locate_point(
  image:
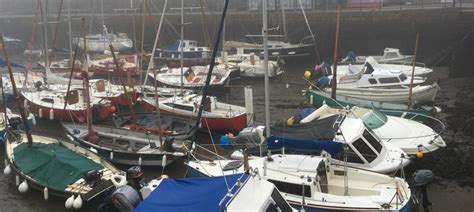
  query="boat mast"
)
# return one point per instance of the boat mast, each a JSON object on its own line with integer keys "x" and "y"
{"x": 70, "y": 31}
{"x": 103, "y": 25}
{"x": 211, "y": 68}
{"x": 182, "y": 44}
{"x": 413, "y": 72}
{"x": 90, "y": 134}
{"x": 336, "y": 46}
{"x": 151, "y": 63}
{"x": 15, "y": 93}
{"x": 265, "y": 66}
{"x": 283, "y": 14}
{"x": 142, "y": 52}
{"x": 45, "y": 36}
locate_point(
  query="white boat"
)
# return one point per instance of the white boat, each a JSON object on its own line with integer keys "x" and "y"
{"x": 370, "y": 66}
{"x": 411, "y": 136}
{"x": 101, "y": 42}
{"x": 237, "y": 192}
{"x": 420, "y": 94}
{"x": 390, "y": 55}
{"x": 316, "y": 183}
{"x": 216, "y": 116}
{"x": 251, "y": 65}
{"x": 195, "y": 77}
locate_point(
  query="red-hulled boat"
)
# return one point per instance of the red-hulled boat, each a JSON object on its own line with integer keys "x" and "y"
{"x": 217, "y": 116}
{"x": 49, "y": 104}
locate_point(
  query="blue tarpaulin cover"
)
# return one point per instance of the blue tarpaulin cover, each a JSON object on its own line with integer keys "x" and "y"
{"x": 190, "y": 194}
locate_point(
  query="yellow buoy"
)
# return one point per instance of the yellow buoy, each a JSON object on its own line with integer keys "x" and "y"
{"x": 230, "y": 135}
{"x": 307, "y": 74}
{"x": 419, "y": 154}
{"x": 290, "y": 121}
{"x": 164, "y": 176}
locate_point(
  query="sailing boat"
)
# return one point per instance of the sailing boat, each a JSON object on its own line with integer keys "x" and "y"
{"x": 54, "y": 166}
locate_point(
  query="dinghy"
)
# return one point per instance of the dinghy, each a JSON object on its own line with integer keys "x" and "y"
{"x": 128, "y": 147}
{"x": 315, "y": 183}
{"x": 251, "y": 65}
{"x": 179, "y": 127}
{"x": 58, "y": 168}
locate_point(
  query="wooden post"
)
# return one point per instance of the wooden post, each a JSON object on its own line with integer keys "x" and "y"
{"x": 85, "y": 74}
{"x": 413, "y": 71}
{"x": 336, "y": 46}
{"x": 15, "y": 93}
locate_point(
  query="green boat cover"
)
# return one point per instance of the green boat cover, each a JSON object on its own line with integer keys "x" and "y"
{"x": 52, "y": 165}
{"x": 374, "y": 119}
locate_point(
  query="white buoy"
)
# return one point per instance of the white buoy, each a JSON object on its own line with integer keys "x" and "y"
{"x": 25, "y": 103}
{"x": 69, "y": 201}
{"x": 46, "y": 193}
{"x": 140, "y": 160}
{"x": 111, "y": 155}
{"x": 17, "y": 180}
{"x": 23, "y": 187}
{"x": 93, "y": 150}
{"x": 33, "y": 119}
{"x": 40, "y": 113}
{"x": 77, "y": 204}
{"x": 265, "y": 167}
{"x": 7, "y": 170}
{"x": 163, "y": 161}
{"x": 51, "y": 114}
{"x": 249, "y": 104}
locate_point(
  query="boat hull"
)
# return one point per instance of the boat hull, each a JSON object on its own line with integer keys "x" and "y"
{"x": 217, "y": 124}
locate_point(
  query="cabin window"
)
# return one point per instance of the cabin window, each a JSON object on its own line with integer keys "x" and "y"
{"x": 369, "y": 69}
{"x": 391, "y": 55}
{"x": 364, "y": 150}
{"x": 403, "y": 77}
{"x": 372, "y": 141}
{"x": 280, "y": 201}
{"x": 199, "y": 49}
{"x": 352, "y": 157}
{"x": 372, "y": 81}
{"x": 290, "y": 188}
{"x": 182, "y": 107}
{"x": 389, "y": 80}
{"x": 48, "y": 100}
{"x": 191, "y": 49}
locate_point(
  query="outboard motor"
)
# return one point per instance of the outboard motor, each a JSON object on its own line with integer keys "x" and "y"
{"x": 135, "y": 179}
{"x": 92, "y": 177}
{"x": 125, "y": 198}
{"x": 422, "y": 178}
{"x": 38, "y": 85}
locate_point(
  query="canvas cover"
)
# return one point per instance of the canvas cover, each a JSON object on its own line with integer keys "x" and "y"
{"x": 190, "y": 194}
{"x": 52, "y": 165}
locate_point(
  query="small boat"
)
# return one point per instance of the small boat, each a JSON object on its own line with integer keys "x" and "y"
{"x": 50, "y": 104}
{"x": 251, "y": 65}
{"x": 316, "y": 183}
{"x": 390, "y": 55}
{"x": 371, "y": 66}
{"x": 420, "y": 94}
{"x": 193, "y": 55}
{"x": 101, "y": 42}
{"x": 58, "y": 168}
{"x": 411, "y": 136}
{"x": 175, "y": 126}
{"x": 330, "y": 133}
{"x": 317, "y": 98}
{"x": 276, "y": 49}
{"x": 217, "y": 116}
{"x": 194, "y": 77}
{"x": 236, "y": 192}
{"x": 127, "y": 147}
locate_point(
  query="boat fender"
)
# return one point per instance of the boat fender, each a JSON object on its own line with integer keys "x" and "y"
{"x": 419, "y": 154}
{"x": 163, "y": 161}
{"x": 178, "y": 154}
{"x": 140, "y": 160}
{"x": 17, "y": 180}
{"x": 25, "y": 104}
{"x": 92, "y": 149}
{"x": 77, "y": 204}
{"x": 69, "y": 202}
{"x": 40, "y": 113}
{"x": 307, "y": 74}
{"x": 118, "y": 180}
{"x": 46, "y": 193}
{"x": 51, "y": 114}
{"x": 290, "y": 121}
{"x": 111, "y": 155}
{"x": 7, "y": 170}
{"x": 23, "y": 187}
{"x": 33, "y": 119}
